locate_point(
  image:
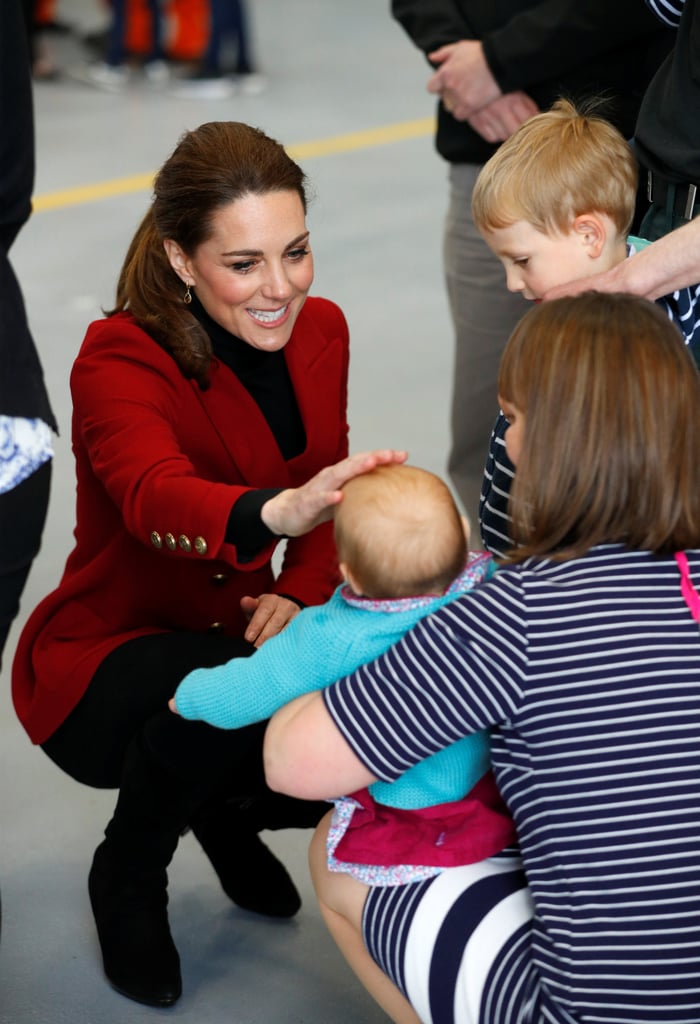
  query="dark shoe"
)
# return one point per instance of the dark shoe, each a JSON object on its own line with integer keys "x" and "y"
{"x": 138, "y": 952}
{"x": 250, "y": 874}
{"x": 57, "y": 28}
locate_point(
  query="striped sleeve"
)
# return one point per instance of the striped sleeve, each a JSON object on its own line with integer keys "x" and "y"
{"x": 668, "y": 11}
{"x": 453, "y": 674}
{"x": 683, "y": 307}
{"x": 494, "y": 521}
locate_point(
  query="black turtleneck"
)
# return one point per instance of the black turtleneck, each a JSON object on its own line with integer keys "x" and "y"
{"x": 265, "y": 377}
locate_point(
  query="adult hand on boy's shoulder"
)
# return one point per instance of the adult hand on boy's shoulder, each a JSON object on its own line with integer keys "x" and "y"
{"x": 614, "y": 280}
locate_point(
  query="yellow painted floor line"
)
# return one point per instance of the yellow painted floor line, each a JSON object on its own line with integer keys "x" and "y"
{"x": 302, "y": 151}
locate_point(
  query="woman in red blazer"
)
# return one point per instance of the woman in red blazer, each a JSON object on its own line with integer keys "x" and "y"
{"x": 212, "y": 388}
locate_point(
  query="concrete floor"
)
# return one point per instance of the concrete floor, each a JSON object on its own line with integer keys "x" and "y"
{"x": 346, "y": 91}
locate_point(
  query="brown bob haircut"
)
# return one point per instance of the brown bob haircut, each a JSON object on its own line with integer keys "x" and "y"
{"x": 611, "y": 441}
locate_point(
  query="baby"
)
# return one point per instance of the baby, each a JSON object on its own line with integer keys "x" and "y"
{"x": 403, "y": 553}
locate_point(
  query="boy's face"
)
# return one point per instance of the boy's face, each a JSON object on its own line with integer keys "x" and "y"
{"x": 535, "y": 262}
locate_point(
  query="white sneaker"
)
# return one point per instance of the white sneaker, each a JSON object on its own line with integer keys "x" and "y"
{"x": 252, "y": 83}
{"x": 157, "y": 72}
{"x": 203, "y": 87}
{"x": 109, "y": 77}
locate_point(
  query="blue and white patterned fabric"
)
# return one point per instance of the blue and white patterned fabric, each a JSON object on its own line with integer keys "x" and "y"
{"x": 25, "y": 445}
{"x": 668, "y": 11}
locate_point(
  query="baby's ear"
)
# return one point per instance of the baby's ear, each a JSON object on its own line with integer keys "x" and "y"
{"x": 349, "y": 579}
{"x": 467, "y": 527}
{"x": 592, "y": 229}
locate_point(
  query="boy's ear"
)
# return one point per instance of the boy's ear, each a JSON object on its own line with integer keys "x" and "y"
{"x": 592, "y": 231}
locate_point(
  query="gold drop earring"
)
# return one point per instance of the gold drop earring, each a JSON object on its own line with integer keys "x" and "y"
{"x": 187, "y": 297}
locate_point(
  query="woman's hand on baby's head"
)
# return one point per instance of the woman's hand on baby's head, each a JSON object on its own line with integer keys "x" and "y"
{"x": 298, "y": 510}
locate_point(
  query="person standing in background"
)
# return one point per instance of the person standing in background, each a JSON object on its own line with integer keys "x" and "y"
{"x": 494, "y": 67}
{"x": 667, "y": 136}
{"x": 667, "y": 145}
{"x": 112, "y": 73}
{"x": 212, "y": 77}
{"x": 26, "y": 417}
{"x": 667, "y": 149}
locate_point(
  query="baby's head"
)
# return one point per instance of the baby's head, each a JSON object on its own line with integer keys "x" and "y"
{"x": 556, "y": 200}
{"x": 399, "y": 533}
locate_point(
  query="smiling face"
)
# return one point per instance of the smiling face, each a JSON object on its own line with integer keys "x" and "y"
{"x": 253, "y": 273}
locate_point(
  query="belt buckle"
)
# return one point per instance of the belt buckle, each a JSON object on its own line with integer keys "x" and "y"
{"x": 690, "y": 202}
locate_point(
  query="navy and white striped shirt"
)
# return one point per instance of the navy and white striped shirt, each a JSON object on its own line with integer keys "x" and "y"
{"x": 589, "y": 672}
{"x": 668, "y": 11}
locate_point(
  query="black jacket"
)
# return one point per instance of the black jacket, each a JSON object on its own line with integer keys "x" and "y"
{"x": 668, "y": 130}
{"x": 546, "y": 48}
{"x": 22, "y": 389}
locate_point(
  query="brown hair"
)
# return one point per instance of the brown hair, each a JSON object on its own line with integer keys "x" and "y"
{"x": 555, "y": 167}
{"x": 211, "y": 167}
{"x": 400, "y": 532}
{"x": 611, "y": 435}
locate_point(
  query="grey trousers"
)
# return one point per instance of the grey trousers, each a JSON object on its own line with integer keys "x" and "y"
{"x": 484, "y": 313}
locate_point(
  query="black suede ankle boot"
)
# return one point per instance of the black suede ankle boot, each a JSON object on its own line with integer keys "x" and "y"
{"x": 250, "y": 874}
{"x": 128, "y": 882}
{"x": 130, "y": 909}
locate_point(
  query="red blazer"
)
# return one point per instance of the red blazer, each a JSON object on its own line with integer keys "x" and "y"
{"x": 159, "y": 466}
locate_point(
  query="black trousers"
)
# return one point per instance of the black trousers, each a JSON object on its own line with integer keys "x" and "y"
{"x": 126, "y": 703}
{"x": 22, "y": 518}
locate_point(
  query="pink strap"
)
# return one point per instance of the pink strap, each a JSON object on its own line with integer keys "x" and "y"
{"x": 690, "y": 594}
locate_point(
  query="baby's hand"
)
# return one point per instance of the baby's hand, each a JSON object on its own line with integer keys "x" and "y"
{"x": 173, "y": 706}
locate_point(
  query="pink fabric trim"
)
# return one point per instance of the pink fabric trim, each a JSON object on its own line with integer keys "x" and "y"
{"x": 448, "y": 835}
{"x": 690, "y": 594}
{"x": 474, "y": 572}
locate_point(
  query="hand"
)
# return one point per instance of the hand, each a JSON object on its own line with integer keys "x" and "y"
{"x": 464, "y": 80}
{"x": 297, "y": 510}
{"x": 609, "y": 281}
{"x": 267, "y": 615}
{"x": 173, "y": 706}
{"x": 500, "y": 119}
